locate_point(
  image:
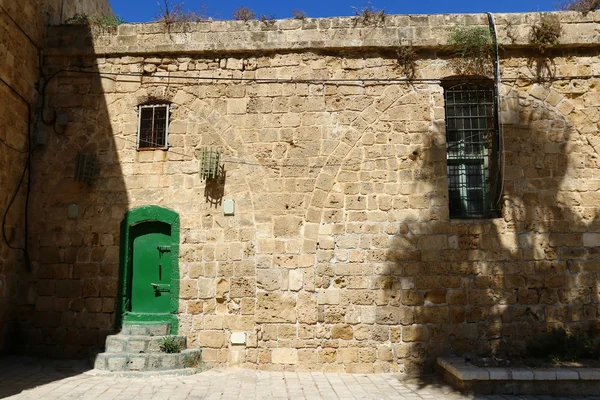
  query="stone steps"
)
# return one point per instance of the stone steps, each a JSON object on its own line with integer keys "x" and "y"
{"x": 145, "y": 329}
{"x": 148, "y": 361}
{"x": 137, "y": 349}
{"x": 139, "y": 343}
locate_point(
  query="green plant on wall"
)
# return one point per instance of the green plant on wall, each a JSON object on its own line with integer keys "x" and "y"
{"x": 96, "y": 20}
{"x": 584, "y": 6}
{"x": 169, "y": 344}
{"x": 473, "y": 50}
{"x": 406, "y": 58}
{"x": 368, "y": 15}
{"x": 546, "y": 33}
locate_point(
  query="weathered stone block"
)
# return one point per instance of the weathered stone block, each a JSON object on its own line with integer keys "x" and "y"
{"x": 328, "y": 296}
{"x": 284, "y": 356}
{"x": 344, "y": 332}
{"x": 242, "y": 287}
{"x": 214, "y": 339}
{"x": 295, "y": 280}
{"x": 415, "y": 333}
{"x": 275, "y": 307}
{"x": 287, "y": 226}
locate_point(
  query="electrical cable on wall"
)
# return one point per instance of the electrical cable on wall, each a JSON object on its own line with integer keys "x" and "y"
{"x": 26, "y": 170}
{"x": 498, "y": 124}
{"x": 340, "y": 81}
{"x": 13, "y": 148}
{"x": 27, "y": 167}
{"x": 28, "y": 162}
{"x": 20, "y": 29}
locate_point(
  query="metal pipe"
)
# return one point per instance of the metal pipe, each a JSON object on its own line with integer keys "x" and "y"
{"x": 62, "y": 11}
{"x": 498, "y": 99}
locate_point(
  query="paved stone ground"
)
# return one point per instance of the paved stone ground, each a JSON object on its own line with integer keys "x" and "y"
{"x": 28, "y": 378}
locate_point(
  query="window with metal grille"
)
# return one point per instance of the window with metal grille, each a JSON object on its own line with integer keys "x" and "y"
{"x": 153, "y": 127}
{"x": 471, "y": 151}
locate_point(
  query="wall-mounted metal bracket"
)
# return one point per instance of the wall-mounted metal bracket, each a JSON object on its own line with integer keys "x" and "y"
{"x": 85, "y": 168}
{"x": 210, "y": 168}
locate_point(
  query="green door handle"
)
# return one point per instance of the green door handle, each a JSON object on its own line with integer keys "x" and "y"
{"x": 161, "y": 287}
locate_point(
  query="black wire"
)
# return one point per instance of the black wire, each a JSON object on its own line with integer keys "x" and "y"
{"x": 44, "y": 97}
{"x": 334, "y": 80}
{"x": 13, "y": 148}
{"x": 268, "y": 162}
{"x": 12, "y": 200}
{"x": 45, "y": 86}
{"x": 16, "y": 192}
{"x": 19, "y": 27}
{"x": 26, "y": 168}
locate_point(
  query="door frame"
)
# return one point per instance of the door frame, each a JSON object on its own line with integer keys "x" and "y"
{"x": 123, "y": 311}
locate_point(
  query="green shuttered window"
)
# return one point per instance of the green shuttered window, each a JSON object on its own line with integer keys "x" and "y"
{"x": 471, "y": 151}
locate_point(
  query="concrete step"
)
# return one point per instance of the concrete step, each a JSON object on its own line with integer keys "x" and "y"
{"x": 146, "y": 329}
{"x": 139, "y": 344}
{"x": 148, "y": 361}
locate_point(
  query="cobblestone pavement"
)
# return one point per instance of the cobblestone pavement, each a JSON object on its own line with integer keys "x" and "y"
{"x": 28, "y": 378}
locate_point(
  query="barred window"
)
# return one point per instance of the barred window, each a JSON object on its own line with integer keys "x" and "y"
{"x": 153, "y": 127}
{"x": 471, "y": 151}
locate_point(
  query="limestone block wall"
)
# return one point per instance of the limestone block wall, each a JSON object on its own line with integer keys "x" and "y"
{"x": 65, "y": 9}
{"x": 22, "y": 34}
{"x": 341, "y": 254}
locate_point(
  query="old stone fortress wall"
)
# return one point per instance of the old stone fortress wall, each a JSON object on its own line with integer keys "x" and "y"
{"x": 340, "y": 253}
{"x": 22, "y": 35}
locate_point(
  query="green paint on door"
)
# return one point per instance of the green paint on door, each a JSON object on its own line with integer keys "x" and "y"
{"x": 151, "y": 280}
{"x": 149, "y": 273}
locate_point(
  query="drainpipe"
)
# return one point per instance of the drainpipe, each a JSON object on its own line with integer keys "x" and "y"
{"x": 62, "y": 10}
{"x": 497, "y": 105}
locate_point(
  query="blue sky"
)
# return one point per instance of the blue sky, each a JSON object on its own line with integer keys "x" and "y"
{"x": 145, "y": 10}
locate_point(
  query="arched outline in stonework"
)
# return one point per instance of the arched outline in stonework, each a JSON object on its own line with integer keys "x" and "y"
{"x": 223, "y": 129}
{"x": 328, "y": 175}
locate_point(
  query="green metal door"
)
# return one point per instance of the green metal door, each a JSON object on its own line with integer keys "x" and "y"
{"x": 151, "y": 280}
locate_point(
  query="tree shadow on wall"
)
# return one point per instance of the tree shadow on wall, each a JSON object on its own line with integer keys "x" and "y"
{"x": 66, "y": 304}
{"x": 490, "y": 286}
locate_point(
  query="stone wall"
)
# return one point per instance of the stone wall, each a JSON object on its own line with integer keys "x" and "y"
{"x": 62, "y": 10}
{"x": 420, "y": 31}
{"x": 22, "y": 33}
{"x": 341, "y": 254}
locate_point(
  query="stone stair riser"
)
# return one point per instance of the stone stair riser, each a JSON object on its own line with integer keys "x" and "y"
{"x": 146, "y": 330}
{"x": 138, "y": 344}
{"x": 147, "y": 362}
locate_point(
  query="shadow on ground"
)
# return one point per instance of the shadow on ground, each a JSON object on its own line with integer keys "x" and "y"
{"x": 18, "y": 374}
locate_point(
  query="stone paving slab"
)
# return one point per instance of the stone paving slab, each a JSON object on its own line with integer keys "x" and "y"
{"x": 26, "y": 378}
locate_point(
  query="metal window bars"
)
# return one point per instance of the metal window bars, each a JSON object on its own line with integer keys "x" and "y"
{"x": 470, "y": 137}
{"x": 153, "y": 127}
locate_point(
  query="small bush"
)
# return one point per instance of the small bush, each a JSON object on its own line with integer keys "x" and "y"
{"x": 243, "y": 14}
{"x": 368, "y": 15}
{"x": 298, "y": 14}
{"x": 106, "y": 21}
{"x": 473, "y": 49}
{"x": 170, "y": 345}
{"x": 583, "y": 6}
{"x": 406, "y": 58}
{"x": 561, "y": 345}
{"x": 268, "y": 20}
{"x": 547, "y": 32}
{"x": 170, "y": 13}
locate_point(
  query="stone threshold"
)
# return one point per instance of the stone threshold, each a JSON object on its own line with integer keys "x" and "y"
{"x": 148, "y": 374}
{"x": 514, "y": 381}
